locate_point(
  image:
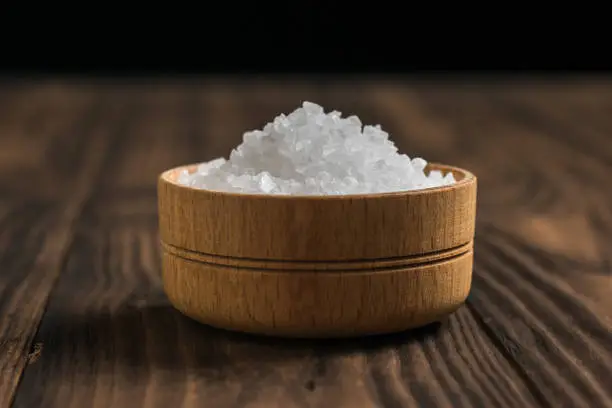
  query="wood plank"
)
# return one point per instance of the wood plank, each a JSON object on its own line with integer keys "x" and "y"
{"x": 25, "y": 291}
{"x": 18, "y": 224}
{"x": 124, "y": 344}
{"x": 544, "y": 212}
{"x": 522, "y": 301}
{"x": 36, "y": 138}
{"x": 529, "y": 335}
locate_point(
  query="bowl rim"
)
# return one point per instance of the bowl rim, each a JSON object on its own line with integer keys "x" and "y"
{"x": 468, "y": 179}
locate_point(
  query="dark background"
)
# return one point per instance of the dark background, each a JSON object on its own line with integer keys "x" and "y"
{"x": 272, "y": 38}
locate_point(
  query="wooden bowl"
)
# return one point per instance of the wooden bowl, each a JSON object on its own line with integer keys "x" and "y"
{"x": 317, "y": 266}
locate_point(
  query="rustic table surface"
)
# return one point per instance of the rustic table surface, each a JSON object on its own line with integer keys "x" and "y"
{"x": 84, "y": 321}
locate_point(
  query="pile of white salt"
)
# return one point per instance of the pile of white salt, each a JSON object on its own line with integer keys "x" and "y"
{"x": 310, "y": 152}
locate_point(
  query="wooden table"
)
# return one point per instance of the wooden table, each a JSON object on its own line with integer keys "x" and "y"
{"x": 84, "y": 322}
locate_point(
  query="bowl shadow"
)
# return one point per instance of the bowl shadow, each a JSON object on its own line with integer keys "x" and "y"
{"x": 157, "y": 336}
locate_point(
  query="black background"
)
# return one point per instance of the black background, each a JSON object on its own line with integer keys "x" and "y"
{"x": 272, "y": 38}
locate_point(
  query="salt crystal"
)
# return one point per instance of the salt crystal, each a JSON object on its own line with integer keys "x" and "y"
{"x": 183, "y": 177}
{"x": 449, "y": 179}
{"x": 310, "y": 152}
{"x": 312, "y": 109}
{"x": 418, "y": 163}
{"x": 436, "y": 175}
{"x": 206, "y": 168}
{"x": 266, "y": 183}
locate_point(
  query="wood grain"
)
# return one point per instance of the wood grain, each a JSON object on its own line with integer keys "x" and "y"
{"x": 315, "y": 304}
{"x": 79, "y": 258}
{"x": 317, "y": 267}
{"x": 353, "y": 228}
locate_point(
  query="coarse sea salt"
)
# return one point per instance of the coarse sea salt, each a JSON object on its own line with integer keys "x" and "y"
{"x": 310, "y": 152}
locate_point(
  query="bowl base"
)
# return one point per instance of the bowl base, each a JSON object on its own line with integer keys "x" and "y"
{"x": 317, "y": 304}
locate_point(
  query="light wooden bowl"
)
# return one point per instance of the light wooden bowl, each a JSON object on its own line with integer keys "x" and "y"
{"x": 304, "y": 266}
